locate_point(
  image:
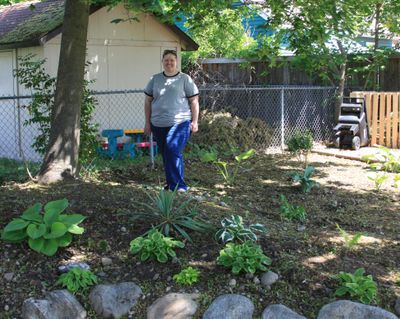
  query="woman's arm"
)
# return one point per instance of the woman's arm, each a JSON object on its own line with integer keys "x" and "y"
{"x": 147, "y": 114}
{"x": 194, "y": 106}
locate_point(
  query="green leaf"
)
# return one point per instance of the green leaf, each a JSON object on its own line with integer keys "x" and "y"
{"x": 53, "y": 209}
{"x": 35, "y": 231}
{"x": 14, "y": 236}
{"x": 64, "y": 240}
{"x": 36, "y": 244}
{"x": 33, "y": 213}
{"x": 58, "y": 229}
{"x": 245, "y": 155}
{"x": 16, "y": 224}
{"x": 72, "y": 219}
{"x": 50, "y": 247}
{"x": 74, "y": 229}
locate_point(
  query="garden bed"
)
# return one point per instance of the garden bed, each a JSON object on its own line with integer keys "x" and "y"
{"x": 305, "y": 255}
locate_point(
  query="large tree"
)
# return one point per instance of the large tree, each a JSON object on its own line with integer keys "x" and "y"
{"x": 61, "y": 159}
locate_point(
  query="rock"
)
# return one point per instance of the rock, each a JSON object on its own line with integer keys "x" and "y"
{"x": 114, "y": 301}
{"x": 223, "y": 204}
{"x": 173, "y": 306}
{"x": 301, "y": 228}
{"x": 397, "y": 306}
{"x": 249, "y": 275}
{"x": 204, "y": 256}
{"x": 67, "y": 267}
{"x": 256, "y": 280}
{"x": 344, "y": 309}
{"x": 232, "y": 282}
{"x": 230, "y": 306}
{"x": 6, "y": 308}
{"x": 268, "y": 278}
{"x": 105, "y": 261}
{"x": 59, "y": 304}
{"x": 278, "y": 312}
{"x": 123, "y": 229}
{"x": 156, "y": 276}
{"x": 8, "y": 276}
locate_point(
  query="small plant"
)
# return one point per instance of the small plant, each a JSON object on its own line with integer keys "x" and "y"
{"x": 300, "y": 144}
{"x": 222, "y": 167}
{"x": 386, "y": 160}
{"x": 77, "y": 279}
{"x": 234, "y": 229}
{"x": 291, "y": 212}
{"x": 378, "y": 180}
{"x": 45, "y": 232}
{"x": 397, "y": 181}
{"x": 246, "y": 257}
{"x": 187, "y": 276}
{"x": 304, "y": 179}
{"x": 155, "y": 246}
{"x": 349, "y": 241}
{"x": 360, "y": 287}
{"x": 166, "y": 217}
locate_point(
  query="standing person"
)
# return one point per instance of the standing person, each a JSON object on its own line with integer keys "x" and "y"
{"x": 171, "y": 110}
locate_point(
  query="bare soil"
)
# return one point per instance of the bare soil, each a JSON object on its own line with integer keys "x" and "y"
{"x": 306, "y": 258}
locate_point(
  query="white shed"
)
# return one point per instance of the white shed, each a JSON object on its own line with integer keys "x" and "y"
{"x": 123, "y": 56}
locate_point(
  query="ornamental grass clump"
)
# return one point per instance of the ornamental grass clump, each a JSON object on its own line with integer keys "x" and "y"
{"x": 46, "y": 230}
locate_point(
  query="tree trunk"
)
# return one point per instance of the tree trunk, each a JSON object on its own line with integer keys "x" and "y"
{"x": 61, "y": 159}
{"x": 378, "y": 8}
{"x": 342, "y": 79}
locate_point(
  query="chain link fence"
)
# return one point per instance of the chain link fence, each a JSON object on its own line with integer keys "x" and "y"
{"x": 283, "y": 108}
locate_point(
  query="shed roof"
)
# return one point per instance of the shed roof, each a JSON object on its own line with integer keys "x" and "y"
{"x": 33, "y": 23}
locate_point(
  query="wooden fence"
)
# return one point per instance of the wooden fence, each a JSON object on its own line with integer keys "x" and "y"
{"x": 383, "y": 116}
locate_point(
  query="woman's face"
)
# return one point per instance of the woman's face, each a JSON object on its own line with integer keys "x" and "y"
{"x": 169, "y": 63}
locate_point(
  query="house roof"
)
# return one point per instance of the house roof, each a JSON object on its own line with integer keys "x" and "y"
{"x": 34, "y": 23}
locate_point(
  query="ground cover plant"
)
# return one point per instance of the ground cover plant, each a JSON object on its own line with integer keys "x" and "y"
{"x": 77, "y": 280}
{"x": 306, "y": 256}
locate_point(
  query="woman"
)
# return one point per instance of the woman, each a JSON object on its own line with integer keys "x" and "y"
{"x": 171, "y": 110}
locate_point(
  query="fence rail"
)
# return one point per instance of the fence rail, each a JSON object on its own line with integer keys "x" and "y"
{"x": 283, "y": 108}
{"x": 383, "y": 116}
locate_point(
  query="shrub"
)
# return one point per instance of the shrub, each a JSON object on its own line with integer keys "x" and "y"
{"x": 77, "y": 279}
{"x": 166, "y": 217}
{"x": 155, "y": 246}
{"x": 291, "y": 212}
{"x": 360, "y": 287}
{"x": 246, "y": 257}
{"x": 304, "y": 179}
{"x": 45, "y": 232}
{"x": 300, "y": 144}
{"x": 234, "y": 229}
{"x": 187, "y": 276}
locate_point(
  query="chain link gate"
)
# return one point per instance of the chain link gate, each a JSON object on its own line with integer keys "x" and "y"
{"x": 284, "y": 109}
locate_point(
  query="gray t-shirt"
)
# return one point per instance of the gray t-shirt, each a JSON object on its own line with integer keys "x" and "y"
{"x": 170, "y": 94}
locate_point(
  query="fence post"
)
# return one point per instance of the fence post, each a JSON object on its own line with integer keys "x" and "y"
{"x": 282, "y": 118}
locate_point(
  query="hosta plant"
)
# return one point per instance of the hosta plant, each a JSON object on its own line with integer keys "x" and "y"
{"x": 77, "y": 279}
{"x": 360, "y": 287}
{"x": 304, "y": 179}
{"x": 45, "y": 228}
{"x": 234, "y": 229}
{"x": 246, "y": 257}
{"x": 165, "y": 215}
{"x": 155, "y": 246}
{"x": 291, "y": 212}
{"x": 187, "y": 276}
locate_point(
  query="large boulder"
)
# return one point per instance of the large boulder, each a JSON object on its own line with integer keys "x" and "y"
{"x": 114, "y": 301}
{"x": 230, "y": 306}
{"x": 279, "y": 312}
{"x": 58, "y": 304}
{"x": 345, "y": 309}
{"x": 173, "y": 306}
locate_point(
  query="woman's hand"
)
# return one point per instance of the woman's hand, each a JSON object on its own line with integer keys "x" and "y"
{"x": 147, "y": 129}
{"x": 194, "y": 126}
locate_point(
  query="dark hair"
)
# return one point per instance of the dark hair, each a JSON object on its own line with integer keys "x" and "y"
{"x": 173, "y": 52}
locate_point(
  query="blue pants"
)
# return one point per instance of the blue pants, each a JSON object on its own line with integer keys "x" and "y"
{"x": 171, "y": 141}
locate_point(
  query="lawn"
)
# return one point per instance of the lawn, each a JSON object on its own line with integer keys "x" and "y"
{"x": 306, "y": 255}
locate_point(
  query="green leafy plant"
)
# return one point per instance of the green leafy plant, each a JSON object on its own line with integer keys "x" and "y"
{"x": 300, "y": 144}
{"x": 386, "y": 160}
{"x": 164, "y": 216}
{"x": 397, "y": 181}
{"x": 291, "y": 212}
{"x": 246, "y": 257}
{"x": 155, "y": 246}
{"x": 46, "y": 231}
{"x": 77, "y": 279}
{"x": 222, "y": 167}
{"x": 304, "y": 179}
{"x": 32, "y": 74}
{"x": 358, "y": 286}
{"x": 349, "y": 241}
{"x": 379, "y": 180}
{"x": 234, "y": 229}
{"x": 187, "y": 276}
